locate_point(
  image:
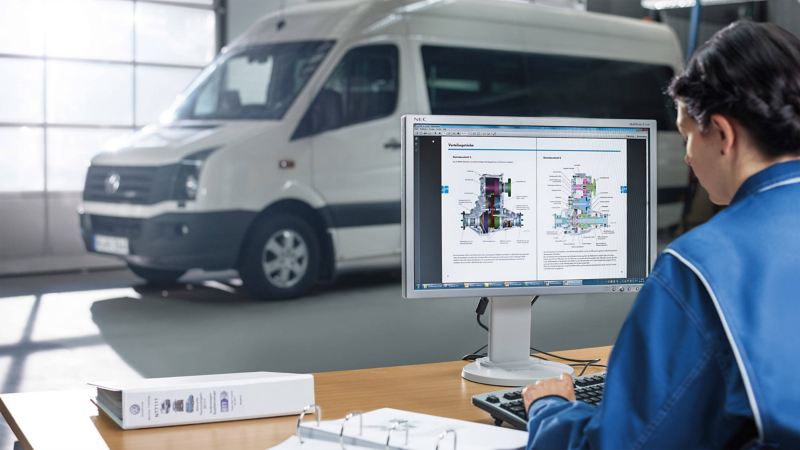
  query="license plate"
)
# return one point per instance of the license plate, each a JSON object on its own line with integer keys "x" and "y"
{"x": 111, "y": 244}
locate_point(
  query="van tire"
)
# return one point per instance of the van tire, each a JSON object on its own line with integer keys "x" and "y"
{"x": 281, "y": 258}
{"x": 156, "y": 276}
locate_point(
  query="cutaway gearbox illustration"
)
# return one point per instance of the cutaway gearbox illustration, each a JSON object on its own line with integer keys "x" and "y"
{"x": 579, "y": 217}
{"x": 489, "y": 215}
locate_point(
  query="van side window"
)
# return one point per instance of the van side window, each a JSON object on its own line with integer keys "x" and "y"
{"x": 362, "y": 87}
{"x": 463, "y": 81}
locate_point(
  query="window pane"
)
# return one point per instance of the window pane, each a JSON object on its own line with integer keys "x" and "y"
{"x": 90, "y": 29}
{"x": 207, "y": 97}
{"x": 475, "y": 82}
{"x": 22, "y": 27}
{"x": 69, "y": 152}
{"x": 89, "y": 93}
{"x": 22, "y": 153}
{"x": 249, "y": 79}
{"x": 174, "y": 34}
{"x": 21, "y": 90}
{"x": 489, "y": 82}
{"x": 258, "y": 82}
{"x": 371, "y": 83}
{"x": 362, "y": 87}
{"x": 156, "y": 89}
{"x": 592, "y": 87}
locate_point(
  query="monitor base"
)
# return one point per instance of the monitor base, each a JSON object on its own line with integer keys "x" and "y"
{"x": 516, "y": 373}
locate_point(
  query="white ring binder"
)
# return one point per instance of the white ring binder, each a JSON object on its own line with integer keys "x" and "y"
{"x": 444, "y": 435}
{"x": 397, "y": 423}
{"x": 378, "y": 429}
{"x": 360, "y": 426}
{"x": 317, "y": 413}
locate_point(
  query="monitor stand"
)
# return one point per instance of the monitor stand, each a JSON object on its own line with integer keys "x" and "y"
{"x": 509, "y": 362}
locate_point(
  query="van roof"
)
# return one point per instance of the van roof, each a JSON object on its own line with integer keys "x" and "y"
{"x": 350, "y": 20}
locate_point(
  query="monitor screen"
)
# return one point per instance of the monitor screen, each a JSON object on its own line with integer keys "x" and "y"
{"x": 512, "y": 206}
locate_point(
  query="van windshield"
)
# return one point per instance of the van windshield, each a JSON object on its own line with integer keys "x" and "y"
{"x": 256, "y": 82}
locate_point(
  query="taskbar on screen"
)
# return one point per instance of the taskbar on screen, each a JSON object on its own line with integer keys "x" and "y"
{"x": 519, "y": 284}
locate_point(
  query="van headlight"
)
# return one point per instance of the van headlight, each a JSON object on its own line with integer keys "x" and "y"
{"x": 187, "y": 181}
{"x": 191, "y": 186}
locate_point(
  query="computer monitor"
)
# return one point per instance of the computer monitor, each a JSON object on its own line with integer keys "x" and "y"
{"x": 510, "y": 208}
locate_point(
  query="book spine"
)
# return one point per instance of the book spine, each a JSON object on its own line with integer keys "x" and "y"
{"x": 154, "y": 408}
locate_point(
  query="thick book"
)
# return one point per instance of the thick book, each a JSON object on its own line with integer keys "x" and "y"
{"x": 158, "y": 402}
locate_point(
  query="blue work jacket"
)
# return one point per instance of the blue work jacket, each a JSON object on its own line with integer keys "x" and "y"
{"x": 707, "y": 355}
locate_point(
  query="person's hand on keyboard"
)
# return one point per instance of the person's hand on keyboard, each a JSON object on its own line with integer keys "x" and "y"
{"x": 561, "y": 386}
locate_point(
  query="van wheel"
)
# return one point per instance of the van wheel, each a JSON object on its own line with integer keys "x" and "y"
{"x": 281, "y": 258}
{"x": 156, "y": 276}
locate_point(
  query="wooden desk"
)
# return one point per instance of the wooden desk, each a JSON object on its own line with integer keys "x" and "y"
{"x": 68, "y": 420}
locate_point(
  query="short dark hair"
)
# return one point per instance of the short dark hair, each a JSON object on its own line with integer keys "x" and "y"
{"x": 750, "y": 72}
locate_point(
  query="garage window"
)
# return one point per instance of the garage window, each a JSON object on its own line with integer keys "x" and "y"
{"x": 464, "y": 81}
{"x": 75, "y": 74}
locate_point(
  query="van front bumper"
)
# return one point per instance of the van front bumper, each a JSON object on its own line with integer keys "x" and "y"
{"x": 173, "y": 241}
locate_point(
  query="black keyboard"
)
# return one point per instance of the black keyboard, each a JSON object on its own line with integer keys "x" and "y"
{"x": 507, "y": 405}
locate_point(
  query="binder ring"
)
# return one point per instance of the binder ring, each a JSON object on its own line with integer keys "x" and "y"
{"x": 317, "y": 415}
{"x": 444, "y": 435}
{"x": 360, "y": 426}
{"x": 397, "y": 423}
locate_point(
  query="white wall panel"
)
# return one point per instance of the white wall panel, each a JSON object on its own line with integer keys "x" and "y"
{"x": 22, "y": 26}
{"x": 89, "y": 93}
{"x": 22, "y": 156}
{"x": 90, "y": 29}
{"x": 21, "y": 90}
{"x": 174, "y": 35}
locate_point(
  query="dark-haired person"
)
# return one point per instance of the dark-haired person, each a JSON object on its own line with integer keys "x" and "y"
{"x": 707, "y": 357}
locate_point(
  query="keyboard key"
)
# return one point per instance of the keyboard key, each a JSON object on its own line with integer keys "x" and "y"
{"x": 492, "y": 399}
{"x": 512, "y": 395}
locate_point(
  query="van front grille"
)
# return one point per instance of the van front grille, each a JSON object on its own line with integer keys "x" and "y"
{"x": 137, "y": 185}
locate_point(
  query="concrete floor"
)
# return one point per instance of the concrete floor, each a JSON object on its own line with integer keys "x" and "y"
{"x": 60, "y": 331}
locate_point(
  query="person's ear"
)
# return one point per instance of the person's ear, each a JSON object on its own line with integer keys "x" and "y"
{"x": 726, "y": 131}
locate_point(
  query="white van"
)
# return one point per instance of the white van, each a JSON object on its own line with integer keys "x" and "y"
{"x": 281, "y": 160}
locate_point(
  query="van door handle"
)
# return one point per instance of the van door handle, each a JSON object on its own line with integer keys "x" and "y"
{"x": 392, "y": 144}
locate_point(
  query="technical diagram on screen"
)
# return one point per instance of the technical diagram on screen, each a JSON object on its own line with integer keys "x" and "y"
{"x": 579, "y": 216}
{"x": 489, "y": 215}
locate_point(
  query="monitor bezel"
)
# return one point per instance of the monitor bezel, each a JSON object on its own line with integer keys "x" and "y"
{"x": 407, "y": 202}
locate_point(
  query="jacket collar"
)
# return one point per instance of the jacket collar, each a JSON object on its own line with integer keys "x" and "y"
{"x": 773, "y": 176}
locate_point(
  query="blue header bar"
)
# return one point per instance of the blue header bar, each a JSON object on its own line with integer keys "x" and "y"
{"x": 427, "y": 126}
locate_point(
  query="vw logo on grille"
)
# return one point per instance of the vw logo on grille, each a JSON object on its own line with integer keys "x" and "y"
{"x": 112, "y": 183}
